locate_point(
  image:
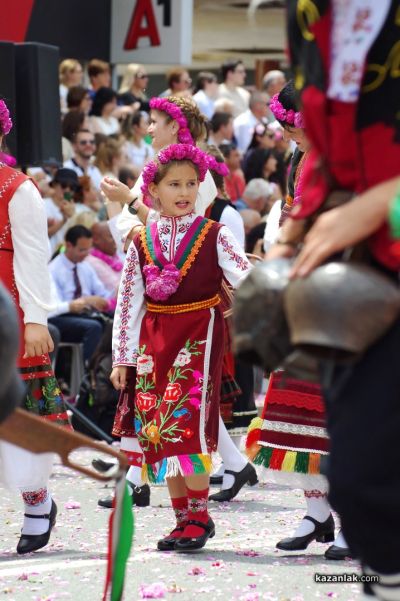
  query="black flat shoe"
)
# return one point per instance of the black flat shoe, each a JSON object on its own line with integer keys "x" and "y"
{"x": 216, "y": 480}
{"x": 185, "y": 544}
{"x": 32, "y": 542}
{"x": 324, "y": 532}
{"x": 102, "y": 466}
{"x": 140, "y": 497}
{"x": 338, "y": 553}
{"x": 168, "y": 543}
{"x": 247, "y": 475}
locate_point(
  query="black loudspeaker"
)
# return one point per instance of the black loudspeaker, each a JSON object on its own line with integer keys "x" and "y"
{"x": 38, "y": 104}
{"x": 7, "y": 90}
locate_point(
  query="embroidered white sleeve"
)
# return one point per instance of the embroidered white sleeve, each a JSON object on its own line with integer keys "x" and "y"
{"x": 129, "y": 311}
{"x": 231, "y": 257}
{"x": 28, "y": 221}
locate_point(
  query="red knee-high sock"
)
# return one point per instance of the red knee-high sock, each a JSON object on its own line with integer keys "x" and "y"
{"x": 180, "y": 507}
{"x": 197, "y": 510}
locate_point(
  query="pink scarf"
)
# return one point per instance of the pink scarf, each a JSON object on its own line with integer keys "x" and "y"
{"x": 113, "y": 262}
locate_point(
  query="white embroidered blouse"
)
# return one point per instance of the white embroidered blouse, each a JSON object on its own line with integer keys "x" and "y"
{"x": 131, "y": 305}
{"x": 27, "y": 215}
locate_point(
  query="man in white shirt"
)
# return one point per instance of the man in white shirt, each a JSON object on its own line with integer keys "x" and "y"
{"x": 245, "y": 123}
{"x": 234, "y": 75}
{"x": 84, "y": 146}
{"x": 81, "y": 290}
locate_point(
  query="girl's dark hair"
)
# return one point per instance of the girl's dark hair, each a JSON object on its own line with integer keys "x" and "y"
{"x": 259, "y": 130}
{"x": 288, "y": 99}
{"x": 101, "y": 98}
{"x": 254, "y": 168}
{"x": 71, "y": 124}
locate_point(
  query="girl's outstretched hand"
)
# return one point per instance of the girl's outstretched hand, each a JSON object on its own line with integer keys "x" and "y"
{"x": 115, "y": 190}
{"x": 118, "y": 377}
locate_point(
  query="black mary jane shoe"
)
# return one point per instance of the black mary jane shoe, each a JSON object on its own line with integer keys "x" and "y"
{"x": 140, "y": 497}
{"x": 324, "y": 532}
{"x": 33, "y": 542}
{"x": 247, "y": 475}
{"x": 216, "y": 480}
{"x": 186, "y": 544}
{"x": 338, "y": 553}
{"x": 168, "y": 543}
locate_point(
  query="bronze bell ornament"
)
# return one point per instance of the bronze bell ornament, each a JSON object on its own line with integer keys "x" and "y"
{"x": 340, "y": 310}
{"x": 260, "y": 331}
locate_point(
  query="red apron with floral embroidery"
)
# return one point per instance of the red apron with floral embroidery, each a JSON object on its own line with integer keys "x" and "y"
{"x": 43, "y": 394}
{"x": 176, "y": 405}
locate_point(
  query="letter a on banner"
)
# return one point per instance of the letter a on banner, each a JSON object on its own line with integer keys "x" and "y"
{"x": 143, "y": 25}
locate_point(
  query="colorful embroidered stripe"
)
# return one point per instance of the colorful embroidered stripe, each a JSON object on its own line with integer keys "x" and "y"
{"x": 186, "y": 465}
{"x": 288, "y": 461}
{"x": 188, "y": 255}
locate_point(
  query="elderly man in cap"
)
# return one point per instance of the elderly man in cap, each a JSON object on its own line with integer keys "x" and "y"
{"x": 60, "y": 207}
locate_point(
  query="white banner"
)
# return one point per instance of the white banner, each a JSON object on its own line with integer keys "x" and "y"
{"x": 151, "y": 31}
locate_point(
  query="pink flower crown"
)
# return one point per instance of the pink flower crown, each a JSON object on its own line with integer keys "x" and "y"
{"x": 166, "y": 106}
{"x": 5, "y": 119}
{"x": 290, "y": 116}
{"x": 220, "y": 168}
{"x": 175, "y": 152}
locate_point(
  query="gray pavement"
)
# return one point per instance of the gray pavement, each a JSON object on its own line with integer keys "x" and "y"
{"x": 240, "y": 563}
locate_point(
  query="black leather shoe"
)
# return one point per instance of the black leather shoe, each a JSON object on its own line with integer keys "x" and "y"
{"x": 168, "y": 543}
{"x": 324, "y": 532}
{"x": 338, "y": 553}
{"x": 140, "y": 497}
{"x": 185, "y": 544}
{"x": 102, "y": 466}
{"x": 216, "y": 480}
{"x": 32, "y": 542}
{"x": 247, "y": 475}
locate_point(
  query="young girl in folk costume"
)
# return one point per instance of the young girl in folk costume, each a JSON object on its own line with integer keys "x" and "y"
{"x": 23, "y": 271}
{"x": 169, "y": 323}
{"x": 292, "y": 440}
{"x": 172, "y": 121}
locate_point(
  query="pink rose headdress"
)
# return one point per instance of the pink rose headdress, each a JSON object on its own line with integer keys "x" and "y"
{"x": 219, "y": 167}
{"x": 290, "y": 116}
{"x": 5, "y": 119}
{"x": 173, "y": 110}
{"x": 175, "y": 152}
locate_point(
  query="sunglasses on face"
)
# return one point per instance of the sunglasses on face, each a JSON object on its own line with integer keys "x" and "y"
{"x": 87, "y": 142}
{"x": 67, "y": 186}
{"x": 142, "y": 76}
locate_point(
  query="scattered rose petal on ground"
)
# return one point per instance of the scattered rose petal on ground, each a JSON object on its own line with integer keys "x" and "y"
{"x": 196, "y": 571}
{"x": 153, "y": 591}
{"x": 72, "y": 505}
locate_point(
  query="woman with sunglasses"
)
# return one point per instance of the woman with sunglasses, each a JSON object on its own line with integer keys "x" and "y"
{"x": 263, "y": 137}
{"x": 133, "y": 86}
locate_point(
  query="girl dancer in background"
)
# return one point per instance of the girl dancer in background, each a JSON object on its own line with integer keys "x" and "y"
{"x": 23, "y": 271}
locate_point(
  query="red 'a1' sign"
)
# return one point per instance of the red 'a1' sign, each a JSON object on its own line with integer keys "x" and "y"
{"x": 143, "y": 25}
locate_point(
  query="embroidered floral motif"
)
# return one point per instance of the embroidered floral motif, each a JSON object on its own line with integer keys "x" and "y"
{"x": 146, "y": 401}
{"x": 197, "y": 505}
{"x": 183, "y": 358}
{"x": 316, "y": 494}
{"x": 145, "y": 364}
{"x": 35, "y": 497}
{"x": 160, "y": 419}
{"x": 181, "y": 515}
{"x": 241, "y": 262}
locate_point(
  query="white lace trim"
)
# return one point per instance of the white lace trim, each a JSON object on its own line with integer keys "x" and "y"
{"x": 294, "y": 429}
{"x": 286, "y": 448}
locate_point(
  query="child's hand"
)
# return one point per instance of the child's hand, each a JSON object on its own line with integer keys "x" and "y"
{"x": 118, "y": 377}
